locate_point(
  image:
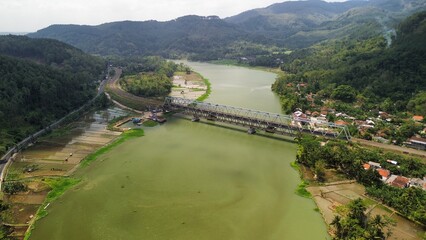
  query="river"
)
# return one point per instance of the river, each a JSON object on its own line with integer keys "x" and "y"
{"x": 187, "y": 180}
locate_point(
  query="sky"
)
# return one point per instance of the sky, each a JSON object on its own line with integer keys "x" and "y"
{"x": 32, "y": 15}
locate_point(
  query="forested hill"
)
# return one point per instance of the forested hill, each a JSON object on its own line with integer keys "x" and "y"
{"x": 189, "y": 34}
{"x": 292, "y": 24}
{"x": 374, "y": 75}
{"x": 41, "y": 80}
{"x": 298, "y": 24}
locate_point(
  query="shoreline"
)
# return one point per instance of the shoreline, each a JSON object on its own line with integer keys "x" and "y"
{"x": 208, "y": 91}
{"x": 232, "y": 63}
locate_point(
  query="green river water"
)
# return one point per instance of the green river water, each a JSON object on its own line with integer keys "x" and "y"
{"x": 187, "y": 180}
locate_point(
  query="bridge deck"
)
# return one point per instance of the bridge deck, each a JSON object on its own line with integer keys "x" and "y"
{"x": 278, "y": 123}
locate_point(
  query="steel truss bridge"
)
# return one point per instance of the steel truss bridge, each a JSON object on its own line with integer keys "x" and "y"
{"x": 256, "y": 120}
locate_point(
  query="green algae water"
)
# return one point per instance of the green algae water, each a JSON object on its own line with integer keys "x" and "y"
{"x": 186, "y": 180}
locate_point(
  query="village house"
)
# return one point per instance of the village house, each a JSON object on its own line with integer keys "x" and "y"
{"x": 341, "y": 123}
{"x": 418, "y": 143}
{"x": 418, "y": 182}
{"x": 366, "y": 166}
{"x": 384, "y": 115}
{"x": 375, "y": 165}
{"x": 383, "y": 173}
{"x": 315, "y": 114}
{"x": 359, "y": 122}
{"x": 344, "y": 115}
{"x": 370, "y": 122}
{"x": 398, "y": 181}
{"x": 418, "y": 118}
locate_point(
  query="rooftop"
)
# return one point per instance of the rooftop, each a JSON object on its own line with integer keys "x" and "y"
{"x": 418, "y": 118}
{"x": 366, "y": 166}
{"x": 374, "y": 164}
{"x": 398, "y": 181}
{"x": 418, "y": 140}
{"x": 383, "y": 172}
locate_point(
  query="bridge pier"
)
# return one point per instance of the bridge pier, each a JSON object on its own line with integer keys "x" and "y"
{"x": 251, "y": 130}
{"x": 195, "y": 118}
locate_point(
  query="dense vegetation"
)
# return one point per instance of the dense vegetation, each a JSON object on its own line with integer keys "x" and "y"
{"x": 135, "y": 65}
{"x": 356, "y": 224}
{"x": 4, "y": 231}
{"x": 254, "y": 34}
{"x": 147, "y": 76}
{"x": 368, "y": 73}
{"x": 147, "y": 84}
{"x": 202, "y": 37}
{"x": 348, "y": 159}
{"x": 41, "y": 80}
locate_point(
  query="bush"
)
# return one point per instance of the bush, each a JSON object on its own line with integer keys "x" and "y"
{"x": 14, "y": 187}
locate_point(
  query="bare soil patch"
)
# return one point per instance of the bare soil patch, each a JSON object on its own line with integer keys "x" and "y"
{"x": 189, "y": 86}
{"x": 20, "y": 213}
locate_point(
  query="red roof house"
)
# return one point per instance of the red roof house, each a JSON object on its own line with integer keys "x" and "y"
{"x": 384, "y": 173}
{"x": 398, "y": 181}
{"x": 418, "y": 118}
{"x": 366, "y": 166}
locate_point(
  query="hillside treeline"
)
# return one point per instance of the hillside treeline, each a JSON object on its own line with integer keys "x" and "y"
{"x": 40, "y": 81}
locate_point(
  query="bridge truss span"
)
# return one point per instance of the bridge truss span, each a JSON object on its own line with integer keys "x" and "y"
{"x": 254, "y": 119}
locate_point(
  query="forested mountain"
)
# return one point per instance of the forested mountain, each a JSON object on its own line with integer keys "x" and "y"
{"x": 41, "y": 80}
{"x": 189, "y": 34}
{"x": 374, "y": 75}
{"x": 293, "y": 24}
{"x": 298, "y": 24}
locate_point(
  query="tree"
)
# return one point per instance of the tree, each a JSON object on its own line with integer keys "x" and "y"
{"x": 408, "y": 129}
{"x": 344, "y": 93}
{"x": 355, "y": 224}
{"x": 357, "y": 211}
{"x": 14, "y": 187}
{"x": 319, "y": 170}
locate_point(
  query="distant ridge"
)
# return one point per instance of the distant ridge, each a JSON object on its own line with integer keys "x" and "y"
{"x": 14, "y": 33}
{"x": 293, "y": 24}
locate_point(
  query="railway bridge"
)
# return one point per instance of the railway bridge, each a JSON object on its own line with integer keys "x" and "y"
{"x": 256, "y": 120}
